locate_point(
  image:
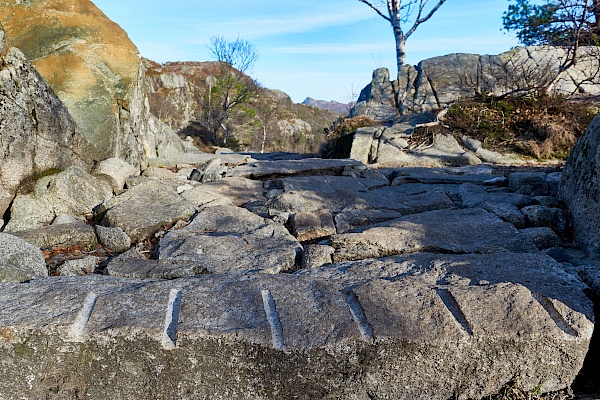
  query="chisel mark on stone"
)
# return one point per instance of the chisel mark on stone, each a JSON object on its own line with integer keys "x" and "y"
{"x": 358, "y": 313}
{"x": 454, "y": 308}
{"x": 273, "y": 318}
{"x": 556, "y": 316}
{"x": 169, "y": 336}
{"x": 78, "y": 327}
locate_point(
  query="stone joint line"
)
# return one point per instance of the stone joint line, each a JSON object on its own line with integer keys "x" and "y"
{"x": 78, "y": 327}
{"x": 556, "y": 316}
{"x": 359, "y": 316}
{"x": 454, "y": 308}
{"x": 273, "y": 319}
{"x": 169, "y": 335}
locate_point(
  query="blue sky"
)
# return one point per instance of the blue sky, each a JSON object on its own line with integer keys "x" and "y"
{"x": 325, "y": 49}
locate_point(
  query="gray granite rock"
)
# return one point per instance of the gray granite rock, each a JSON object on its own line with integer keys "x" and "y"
{"x": 114, "y": 239}
{"x": 308, "y": 336}
{"x": 543, "y": 237}
{"x": 330, "y": 196}
{"x": 447, "y": 231}
{"x": 507, "y": 212}
{"x": 545, "y": 216}
{"x": 210, "y": 171}
{"x": 312, "y": 225}
{"x": 79, "y": 267}
{"x": 64, "y": 235}
{"x": 232, "y": 239}
{"x": 529, "y": 183}
{"x": 316, "y": 255}
{"x": 145, "y": 209}
{"x": 115, "y": 171}
{"x": 580, "y": 187}
{"x": 362, "y": 142}
{"x": 153, "y": 269}
{"x": 20, "y": 260}
{"x": 72, "y": 192}
{"x": 474, "y": 195}
{"x": 349, "y": 220}
{"x": 309, "y": 166}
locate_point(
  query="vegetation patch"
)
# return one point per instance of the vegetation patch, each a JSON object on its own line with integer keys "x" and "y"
{"x": 543, "y": 128}
{"x": 28, "y": 184}
{"x": 340, "y": 135}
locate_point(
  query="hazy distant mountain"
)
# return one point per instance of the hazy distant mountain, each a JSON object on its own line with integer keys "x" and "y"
{"x": 333, "y": 106}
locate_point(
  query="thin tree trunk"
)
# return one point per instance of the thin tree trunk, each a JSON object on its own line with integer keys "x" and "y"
{"x": 400, "y": 49}
{"x": 596, "y": 11}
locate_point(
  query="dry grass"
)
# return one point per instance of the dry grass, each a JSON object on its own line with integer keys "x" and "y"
{"x": 340, "y": 134}
{"x": 543, "y": 128}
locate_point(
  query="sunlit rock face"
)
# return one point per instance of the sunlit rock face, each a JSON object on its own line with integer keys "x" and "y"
{"x": 37, "y": 133}
{"x": 93, "y": 67}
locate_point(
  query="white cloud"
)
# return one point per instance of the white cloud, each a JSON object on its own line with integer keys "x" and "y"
{"x": 317, "y": 18}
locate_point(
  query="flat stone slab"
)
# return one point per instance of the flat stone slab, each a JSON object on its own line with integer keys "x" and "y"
{"x": 309, "y": 166}
{"x": 405, "y": 200}
{"x": 228, "y": 238}
{"x": 71, "y": 234}
{"x": 146, "y": 208}
{"x": 237, "y": 189}
{"x": 474, "y": 196}
{"x": 337, "y": 331}
{"x": 445, "y": 231}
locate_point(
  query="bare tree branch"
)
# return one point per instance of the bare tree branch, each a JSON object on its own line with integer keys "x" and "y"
{"x": 420, "y": 20}
{"x": 377, "y": 10}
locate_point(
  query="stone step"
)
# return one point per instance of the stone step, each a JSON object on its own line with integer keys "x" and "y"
{"x": 412, "y": 327}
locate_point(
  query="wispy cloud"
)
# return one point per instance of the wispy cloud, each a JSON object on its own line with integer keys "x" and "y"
{"x": 334, "y": 48}
{"x": 318, "y": 18}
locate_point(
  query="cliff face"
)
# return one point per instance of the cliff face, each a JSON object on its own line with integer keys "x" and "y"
{"x": 37, "y": 132}
{"x": 267, "y": 122}
{"x": 437, "y": 82}
{"x": 93, "y": 67}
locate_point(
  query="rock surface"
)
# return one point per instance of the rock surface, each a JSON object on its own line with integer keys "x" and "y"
{"x": 73, "y": 192}
{"x": 437, "y": 82}
{"x": 580, "y": 187}
{"x": 227, "y": 238}
{"x": 95, "y": 70}
{"x": 37, "y": 132}
{"x": 427, "y": 276}
{"x": 20, "y": 260}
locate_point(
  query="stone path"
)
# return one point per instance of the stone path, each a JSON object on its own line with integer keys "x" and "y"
{"x": 311, "y": 279}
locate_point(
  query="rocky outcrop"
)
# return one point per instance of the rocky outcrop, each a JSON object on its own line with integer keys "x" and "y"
{"x": 580, "y": 187}
{"x": 96, "y": 71}
{"x": 393, "y": 145}
{"x": 37, "y": 132}
{"x": 437, "y": 82}
{"x": 333, "y": 106}
{"x": 176, "y": 93}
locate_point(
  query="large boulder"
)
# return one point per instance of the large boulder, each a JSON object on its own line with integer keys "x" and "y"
{"x": 580, "y": 187}
{"x": 95, "y": 69}
{"x": 37, "y": 132}
{"x": 73, "y": 192}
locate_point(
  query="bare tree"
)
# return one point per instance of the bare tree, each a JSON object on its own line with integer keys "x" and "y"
{"x": 228, "y": 87}
{"x": 399, "y": 13}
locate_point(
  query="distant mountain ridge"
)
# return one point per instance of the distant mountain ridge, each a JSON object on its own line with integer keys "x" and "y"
{"x": 333, "y": 106}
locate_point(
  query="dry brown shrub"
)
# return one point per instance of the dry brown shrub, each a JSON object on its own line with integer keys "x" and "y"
{"x": 340, "y": 134}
